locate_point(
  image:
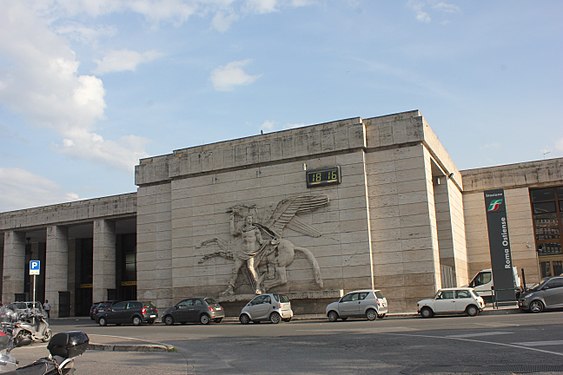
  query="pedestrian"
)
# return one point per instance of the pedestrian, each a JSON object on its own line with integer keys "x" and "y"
{"x": 47, "y": 308}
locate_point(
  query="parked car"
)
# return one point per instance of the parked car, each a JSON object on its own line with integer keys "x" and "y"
{"x": 367, "y": 303}
{"x": 451, "y": 301}
{"x": 202, "y": 310}
{"x": 98, "y": 307}
{"x": 271, "y": 307}
{"x": 128, "y": 312}
{"x": 546, "y": 295}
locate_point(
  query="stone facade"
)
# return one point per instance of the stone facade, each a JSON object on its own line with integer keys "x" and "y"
{"x": 379, "y": 229}
{"x": 402, "y": 219}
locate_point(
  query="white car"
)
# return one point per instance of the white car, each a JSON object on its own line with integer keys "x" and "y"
{"x": 451, "y": 301}
{"x": 367, "y": 303}
{"x": 271, "y": 307}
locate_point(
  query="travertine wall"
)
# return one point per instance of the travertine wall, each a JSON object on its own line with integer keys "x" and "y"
{"x": 380, "y": 221}
{"x": 154, "y": 255}
{"x": 516, "y": 180}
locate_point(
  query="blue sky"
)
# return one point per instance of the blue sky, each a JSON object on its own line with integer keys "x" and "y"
{"x": 88, "y": 87}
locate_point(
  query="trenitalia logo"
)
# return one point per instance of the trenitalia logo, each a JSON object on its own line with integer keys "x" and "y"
{"x": 494, "y": 205}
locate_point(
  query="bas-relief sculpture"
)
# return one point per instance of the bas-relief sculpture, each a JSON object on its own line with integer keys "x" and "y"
{"x": 259, "y": 249}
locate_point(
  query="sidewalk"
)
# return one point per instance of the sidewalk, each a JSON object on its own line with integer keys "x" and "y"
{"x": 117, "y": 355}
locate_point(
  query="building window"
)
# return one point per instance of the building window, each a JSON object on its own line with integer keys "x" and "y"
{"x": 547, "y": 211}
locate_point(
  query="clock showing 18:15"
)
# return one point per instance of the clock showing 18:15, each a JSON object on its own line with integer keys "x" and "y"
{"x": 323, "y": 176}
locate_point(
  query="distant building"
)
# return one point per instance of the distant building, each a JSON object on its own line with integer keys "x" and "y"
{"x": 320, "y": 209}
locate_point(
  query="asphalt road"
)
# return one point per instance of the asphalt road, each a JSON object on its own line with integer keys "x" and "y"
{"x": 486, "y": 344}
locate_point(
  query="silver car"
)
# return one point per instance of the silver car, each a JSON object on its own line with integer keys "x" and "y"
{"x": 271, "y": 307}
{"x": 548, "y": 294}
{"x": 368, "y": 303}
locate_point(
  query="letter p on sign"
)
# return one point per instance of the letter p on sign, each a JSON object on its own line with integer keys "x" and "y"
{"x": 34, "y": 267}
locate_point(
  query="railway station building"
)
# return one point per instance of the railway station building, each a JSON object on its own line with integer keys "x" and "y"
{"x": 310, "y": 212}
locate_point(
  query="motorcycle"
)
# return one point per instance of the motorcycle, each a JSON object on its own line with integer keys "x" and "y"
{"x": 33, "y": 328}
{"x": 63, "y": 348}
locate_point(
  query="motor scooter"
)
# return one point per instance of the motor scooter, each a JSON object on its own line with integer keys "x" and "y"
{"x": 63, "y": 348}
{"x": 33, "y": 328}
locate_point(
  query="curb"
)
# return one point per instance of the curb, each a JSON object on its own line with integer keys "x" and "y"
{"x": 132, "y": 348}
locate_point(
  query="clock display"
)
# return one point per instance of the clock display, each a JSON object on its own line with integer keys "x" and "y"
{"x": 324, "y": 176}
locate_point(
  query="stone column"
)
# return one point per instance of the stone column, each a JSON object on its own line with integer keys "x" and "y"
{"x": 56, "y": 267}
{"x": 104, "y": 259}
{"x": 14, "y": 267}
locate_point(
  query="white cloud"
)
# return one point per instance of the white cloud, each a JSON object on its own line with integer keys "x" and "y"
{"x": 268, "y": 125}
{"x": 22, "y": 189}
{"x": 418, "y": 7}
{"x": 227, "y": 77}
{"x": 175, "y": 11}
{"x": 124, "y": 60}
{"x": 43, "y": 85}
{"x": 223, "y": 20}
{"x": 445, "y": 7}
{"x": 261, "y": 6}
{"x": 422, "y": 8}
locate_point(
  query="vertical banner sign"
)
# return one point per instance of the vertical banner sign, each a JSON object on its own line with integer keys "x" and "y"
{"x": 499, "y": 245}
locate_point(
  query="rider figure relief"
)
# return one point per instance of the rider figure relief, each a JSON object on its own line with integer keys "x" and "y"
{"x": 261, "y": 248}
{"x": 252, "y": 244}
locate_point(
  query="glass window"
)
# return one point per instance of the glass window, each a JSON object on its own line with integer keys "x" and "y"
{"x": 210, "y": 301}
{"x": 347, "y": 297}
{"x": 283, "y": 298}
{"x": 482, "y": 278}
{"x": 463, "y": 294}
{"x": 119, "y": 306}
{"x": 549, "y": 248}
{"x": 362, "y": 296}
{"x": 198, "y": 302}
{"x": 555, "y": 283}
{"x": 557, "y": 267}
{"x": 379, "y": 294}
{"x": 544, "y": 207}
{"x": 545, "y": 269}
{"x": 446, "y": 294}
{"x": 539, "y": 195}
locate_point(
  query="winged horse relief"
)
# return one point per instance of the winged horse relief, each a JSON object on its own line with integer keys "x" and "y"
{"x": 261, "y": 247}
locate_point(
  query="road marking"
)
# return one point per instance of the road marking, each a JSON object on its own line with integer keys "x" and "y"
{"x": 540, "y": 343}
{"x": 480, "y": 334}
{"x": 479, "y": 341}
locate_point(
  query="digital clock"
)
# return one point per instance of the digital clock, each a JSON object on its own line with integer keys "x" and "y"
{"x": 323, "y": 176}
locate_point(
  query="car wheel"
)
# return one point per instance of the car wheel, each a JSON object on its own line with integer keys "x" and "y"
{"x": 332, "y": 316}
{"x": 371, "y": 314}
{"x": 536, "y": 306}
{"x": 244, "y": 319}
{"x": 204, "y": 319}
{"x": 275, "y": 318}
{"x": 102, "y": 322}
{"x": 426, "y": 312}
{"x": 381, "y": 316}
{"x": 218, "y": 320}
{"x": 472, "y": 310}
{"x": 136, "y": 321}
{"x": 168, "y": 320}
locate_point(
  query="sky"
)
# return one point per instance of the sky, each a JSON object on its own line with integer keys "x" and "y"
{"x": 90, "y": 87}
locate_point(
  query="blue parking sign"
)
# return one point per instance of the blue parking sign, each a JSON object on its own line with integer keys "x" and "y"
{"x": 34, "y": 267}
